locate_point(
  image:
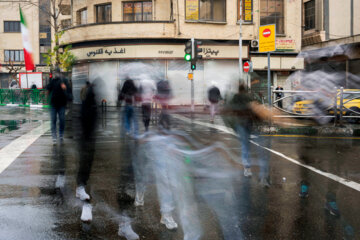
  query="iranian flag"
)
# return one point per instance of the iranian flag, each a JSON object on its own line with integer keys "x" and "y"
{"x": 29, "y": 62}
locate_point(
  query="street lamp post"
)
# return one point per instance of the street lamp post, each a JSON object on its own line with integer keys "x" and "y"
{"x": 240, "y": 45}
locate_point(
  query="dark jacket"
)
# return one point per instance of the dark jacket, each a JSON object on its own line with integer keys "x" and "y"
{"x": 214, "y": 95}
{"x": 128, "y": 92}
{"x": 58, "y": 96}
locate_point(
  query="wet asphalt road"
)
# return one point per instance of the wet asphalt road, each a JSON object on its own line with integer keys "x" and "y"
{"x": 32, "y": 208}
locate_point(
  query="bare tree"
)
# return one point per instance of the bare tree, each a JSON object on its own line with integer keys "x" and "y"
{"x": 13, "y": 69}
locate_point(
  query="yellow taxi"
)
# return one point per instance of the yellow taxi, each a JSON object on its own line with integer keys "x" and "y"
{"x": 350, "y": 102}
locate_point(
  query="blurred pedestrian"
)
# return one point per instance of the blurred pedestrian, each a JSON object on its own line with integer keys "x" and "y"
{"x": 245, "y": 113}
{"x": 127, "y": 94}
{"x": 87, "y": 146}
{"x": 214, "y": 97}
{"x": 147, "y": 90}
{"x": 163, "y": 96}
{"x": 60, "y": 94}
{"x": 279, "y": 95}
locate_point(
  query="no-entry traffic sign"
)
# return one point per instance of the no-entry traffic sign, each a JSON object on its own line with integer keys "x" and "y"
{"x": 267, "y": 38}
{"x": 246, "y": 67}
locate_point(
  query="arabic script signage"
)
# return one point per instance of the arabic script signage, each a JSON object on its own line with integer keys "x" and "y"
{"x": 156, "y": 51}
{"x": 285, "y": 45}
{"x": 192, "y": 9}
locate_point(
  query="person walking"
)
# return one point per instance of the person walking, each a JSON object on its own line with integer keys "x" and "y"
{"x": 147, "y": 91}
{"x": 60, "y": 94}
{"x": 127, "y": 94}
{"x": 163, "y": 96}
{"x": 214, "y": 97}
{"x": 279, "y": 95}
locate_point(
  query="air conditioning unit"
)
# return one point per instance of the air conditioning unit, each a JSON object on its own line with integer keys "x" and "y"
{"x": 255, "y": 43}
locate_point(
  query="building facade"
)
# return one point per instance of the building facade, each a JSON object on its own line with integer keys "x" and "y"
{"x": 117, "y": 39}
{"x": 331, "y": 39}
{"x": 39, "y": 23}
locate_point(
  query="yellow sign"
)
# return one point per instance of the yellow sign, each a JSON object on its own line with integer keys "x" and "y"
{"x": 190, "y": 76}
{"x": 43, "y": 35}
{"x": 192, "y": 10}
{"x": 248, "y": 10}
{"x": 267, "y": 35}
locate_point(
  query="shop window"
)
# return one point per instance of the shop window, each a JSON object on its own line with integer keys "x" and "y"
{"x": 309, "y": 15}
{"x": 205, "y": 10}
{"x": 272, "y": 12}
{"x": 247, "y": 7}
{"x": 14, "y": 55}
{"x": 103, "y": 13}
{"x": 137, "y": 11}
{"x": 12, "y": 26}
{"x": 81, "y": 16}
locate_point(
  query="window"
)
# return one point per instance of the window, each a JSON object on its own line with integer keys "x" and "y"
{"x": 103, "y": 13}
{"x": 12, "y": 26}
{"x": 137, "y": 11}
{"x": 66, "y": 23}
{"x": 272, "y": 12}
{"x": 247, "y": 6}
{"x": 14, "y": 55}
{"x": 205, "y": 10}
{"x": 82, "y": 16}
{"x": 310, "y": 15}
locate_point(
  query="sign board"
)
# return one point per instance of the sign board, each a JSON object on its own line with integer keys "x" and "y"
{"x": 26, "y": 80}
{"x": 246, "y": 67}
{"x": 151, "y": 51}
{"x": 192, "y": 10}
{"x": 267, "y": 35}
{"x": 248, "y": 10}
{"x": 190, "y": 76}
{"x": 43, "y": 69}
{"x": 285, "y": 45}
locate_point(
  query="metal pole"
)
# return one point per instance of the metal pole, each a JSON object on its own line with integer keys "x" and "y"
{"x": 341, "y": 105}
{"x": 335, "y": 107}
{"x": 269, "y": 80}
{"x": 240, "y": 45}
{"x": 192, "y": 93}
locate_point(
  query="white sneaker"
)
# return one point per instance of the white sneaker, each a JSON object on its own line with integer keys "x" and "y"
{"x": 86, "y": 214}
{"x": 139, "y": 199}
{"x": 80, "y": 193}
{"x": 60, "y": 181}
{"x": 126, "y": 231}
{"x": 168, "y": 220}
{"x": 247, "y": 172}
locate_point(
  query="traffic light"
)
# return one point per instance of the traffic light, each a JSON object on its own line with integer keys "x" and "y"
{"x": 197, "y": 50}
{"x": 193, "y": 64}
{"x": 188, "y": 50}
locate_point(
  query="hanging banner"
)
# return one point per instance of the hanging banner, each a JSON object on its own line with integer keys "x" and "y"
{"x": 248, "y": 11}
{"x": 267, "y": 35}
{"x": 192, "y": 9}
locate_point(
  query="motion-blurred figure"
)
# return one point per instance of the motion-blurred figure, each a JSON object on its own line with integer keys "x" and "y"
{"x": 87, "y": 146}
{"x": 60, "y": 93}
{"x": 244, "y": 113}
{"x": 147, "y": 91}
{"x": 127, "y": 94}
{"x": 214, "y": 97}
{"x": 163, "y": 96}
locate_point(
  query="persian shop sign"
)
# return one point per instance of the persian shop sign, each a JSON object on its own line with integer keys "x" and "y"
{"x": 285, "y": 45}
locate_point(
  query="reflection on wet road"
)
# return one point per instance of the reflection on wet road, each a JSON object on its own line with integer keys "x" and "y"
{"x": 192, "y": 173}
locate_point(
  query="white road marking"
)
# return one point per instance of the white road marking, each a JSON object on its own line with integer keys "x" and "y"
{"x": 346, "y": 182}
{"x": 13, "y": 150}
